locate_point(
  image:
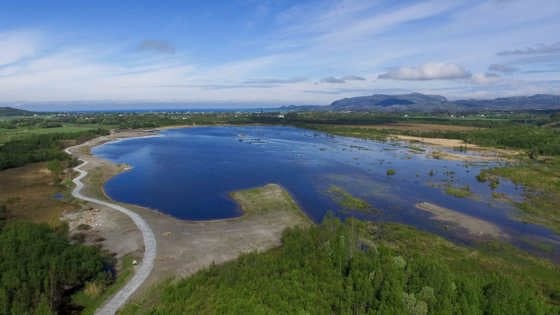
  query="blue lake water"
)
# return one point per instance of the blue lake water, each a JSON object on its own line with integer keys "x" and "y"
{"x": 188, "y": 173}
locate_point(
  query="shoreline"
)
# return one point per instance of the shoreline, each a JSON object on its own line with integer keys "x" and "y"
{"x": 183, "y": 246}
{"x": 119, "y": 299}
{"x": 175, "y": 237}
{"x": 473, "y": 226}
{"x": 483, "y": 154}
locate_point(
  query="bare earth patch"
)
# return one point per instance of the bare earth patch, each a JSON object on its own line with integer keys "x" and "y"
{"x": 441, "y": 142}
{"x": 475, "y": 152}
{"x": 420, "y": 126}
{"x": 474, "y": 226}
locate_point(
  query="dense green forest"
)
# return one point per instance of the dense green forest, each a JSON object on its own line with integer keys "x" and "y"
{"x": 41, "y": 269}
{"x": 42, "y": 147}
{"x": 363, "y": 268}
{"x": 536, "y": 140}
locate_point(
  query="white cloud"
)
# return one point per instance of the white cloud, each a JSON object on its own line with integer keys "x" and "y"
{"x": 16, "y": 46}
{"x": 428, "y": 71}
{"x": 343, "y": 79}
{"x": 313, "y": 40}
{"x": 377, "y": 23}
{"x": 485, "y": 78}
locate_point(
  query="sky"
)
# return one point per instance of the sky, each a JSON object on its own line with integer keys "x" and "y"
{"x": 269, "y": 53}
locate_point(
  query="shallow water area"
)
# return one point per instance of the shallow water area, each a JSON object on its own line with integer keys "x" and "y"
{"x": 188, "y": 173}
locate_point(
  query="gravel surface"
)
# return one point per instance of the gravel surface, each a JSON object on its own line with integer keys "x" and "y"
{"x": 150, "y": 246}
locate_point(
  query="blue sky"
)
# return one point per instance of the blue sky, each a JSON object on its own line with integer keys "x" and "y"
{"x": 275, "y": 52}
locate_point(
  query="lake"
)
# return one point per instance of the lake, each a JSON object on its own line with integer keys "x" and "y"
{"x": 189, "y": 172}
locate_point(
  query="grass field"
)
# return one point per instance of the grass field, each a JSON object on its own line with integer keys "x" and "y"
{"x": 459, "y": 192}
{"x": 19, "y": 133}
{"x": 268, "y": 198}
{"x": 348, "y": 201}
{"x": 542, "y": 194}
{"x": 29, "y": 193}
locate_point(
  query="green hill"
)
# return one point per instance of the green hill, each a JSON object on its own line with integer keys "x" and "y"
{"x": 10, "y": 111}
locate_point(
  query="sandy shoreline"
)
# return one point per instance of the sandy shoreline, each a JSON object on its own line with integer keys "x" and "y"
{"x": 480, "y": 153}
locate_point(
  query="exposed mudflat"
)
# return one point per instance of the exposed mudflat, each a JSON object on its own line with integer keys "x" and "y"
{"x": 476, "y": 153}
{"x": 474, "y": 226}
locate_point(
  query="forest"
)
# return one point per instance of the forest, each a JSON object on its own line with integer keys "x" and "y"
{"x": 41, "y": 269}
{"x": 535, "y": 140}
{"x": 42, "y": 147}
{"x": 356, "y": 267}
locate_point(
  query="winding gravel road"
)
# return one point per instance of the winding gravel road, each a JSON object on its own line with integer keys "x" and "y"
{"x": 150, "y": 245}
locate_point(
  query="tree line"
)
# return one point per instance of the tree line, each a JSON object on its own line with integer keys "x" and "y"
{"x": 40, "y": 269}
{"x": 42, "y": 147}
{"x": 331, "y": 269}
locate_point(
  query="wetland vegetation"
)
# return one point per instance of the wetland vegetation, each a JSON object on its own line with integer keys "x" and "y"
{"x": 348, "y": 201}
{"x": 416, "y": 272}
{"x": 459, "y": 192}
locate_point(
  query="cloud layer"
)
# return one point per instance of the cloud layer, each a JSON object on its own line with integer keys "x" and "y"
{"x": 427, "y": 71}
{"x": 540, "y": 49}
{"x": 502, "y": 68}
{"x": 343, "y": 79}
{"x": 157, "y": 46}
{"x": 279, "y": 51}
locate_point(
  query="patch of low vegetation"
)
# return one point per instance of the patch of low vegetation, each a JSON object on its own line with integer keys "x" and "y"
{"x": 3, "y": 215}
{"x": 364, "y": 268}
{"x": 486, "y": 177}
{"x": 348, "y": 201}
{"x": 27, "y": 192}
{"x": 268, "y": 198}
{"x": 391, "y": 172}
{"x": 416, "y": 149}
{"x": 541, "y": 180}
{"x": 95, "y": 293}
{"x": 459, "y": 192}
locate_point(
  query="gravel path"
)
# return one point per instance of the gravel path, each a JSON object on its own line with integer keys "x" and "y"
{"x": 150, "y": 245}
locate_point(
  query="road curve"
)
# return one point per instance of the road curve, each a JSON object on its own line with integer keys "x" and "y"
{"x": 150, "y": 245}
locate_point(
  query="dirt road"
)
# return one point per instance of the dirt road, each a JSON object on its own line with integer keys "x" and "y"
{"x": 150, "y": 245}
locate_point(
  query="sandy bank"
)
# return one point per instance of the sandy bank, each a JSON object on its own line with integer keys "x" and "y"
{"x": 475, "y": 152}
{"x": 474, "y": 226}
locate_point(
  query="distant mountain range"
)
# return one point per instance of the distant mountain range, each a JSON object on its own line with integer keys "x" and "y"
{"x": 10, "y": 111}
{"x": 435, "y": 103}
{"x": 412, "y": 102}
